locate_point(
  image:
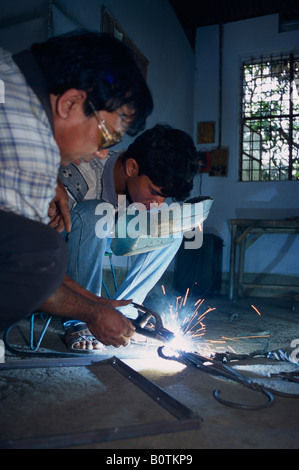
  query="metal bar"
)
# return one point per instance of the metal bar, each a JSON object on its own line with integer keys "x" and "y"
{"x": 264, "y": 223}
{"x": 54, "y": 362}
{"x": 232, "y": 272}
{"x": 35, "y": 347}
{"x": 244, "y": 234}
{"x": 241, "y": 267}
{"x": 106, "y": 289}
{"x": 248, "y": 285}
{"x": 102, "y": 435}
{"x": 254, "y": 239}
{"x": 268, "y": 116}
{"x": 291, "y": 118}
{"x": 186, "y": 418}
{"x": 240, "y": 229}
{"x": 173, "y": 406}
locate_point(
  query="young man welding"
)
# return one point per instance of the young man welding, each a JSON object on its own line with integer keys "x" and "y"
{"x": 48, "y": 120}
{"x": 160, "y": 163}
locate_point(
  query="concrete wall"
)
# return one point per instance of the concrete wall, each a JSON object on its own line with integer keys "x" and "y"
{"x": 272, "y": 254}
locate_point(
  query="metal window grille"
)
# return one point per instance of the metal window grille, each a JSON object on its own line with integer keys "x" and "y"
{"x": 270, "y": 119}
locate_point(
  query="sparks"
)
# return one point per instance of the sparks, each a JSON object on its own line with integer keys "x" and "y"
{"x": 186, "y": 319}
{"x": 188, "y": 328}
{"x": 237, "y": 338}
{"x": 254, "y": 308}
{"x": 186, "y": 296}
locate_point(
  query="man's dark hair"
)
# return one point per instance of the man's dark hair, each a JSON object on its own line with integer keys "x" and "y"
{"x": 168, "y": 157}
{"x": 102, "y": 66}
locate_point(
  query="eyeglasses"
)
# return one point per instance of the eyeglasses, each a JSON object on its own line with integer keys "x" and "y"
{"x": 107, "y": 136}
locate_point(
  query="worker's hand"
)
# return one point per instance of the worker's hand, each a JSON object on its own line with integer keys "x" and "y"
{"x": 111, "y": 328}
{"x": 59, "y": 213}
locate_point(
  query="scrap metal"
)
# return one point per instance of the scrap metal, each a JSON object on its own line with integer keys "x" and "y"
{"x": 220, "y": 369}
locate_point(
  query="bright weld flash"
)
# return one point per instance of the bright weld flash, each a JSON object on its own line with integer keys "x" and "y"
{"x": 186, "y": 324}
{"x": 178, "y": 343}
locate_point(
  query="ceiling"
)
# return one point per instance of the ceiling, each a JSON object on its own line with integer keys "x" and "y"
{"x": 196, "y": 13}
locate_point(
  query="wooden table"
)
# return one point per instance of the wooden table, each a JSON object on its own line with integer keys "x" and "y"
{"x": 241, "y": 229}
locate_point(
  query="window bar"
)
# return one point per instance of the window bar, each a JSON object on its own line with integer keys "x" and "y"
{"x": 290, "y": 172}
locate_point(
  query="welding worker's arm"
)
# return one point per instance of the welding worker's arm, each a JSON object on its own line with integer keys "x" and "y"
{"x": 106, "y": 323}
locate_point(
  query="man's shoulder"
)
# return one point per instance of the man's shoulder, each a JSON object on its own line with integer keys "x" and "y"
{"x": 5, "y": 55}
{"x": 7, "y": 64}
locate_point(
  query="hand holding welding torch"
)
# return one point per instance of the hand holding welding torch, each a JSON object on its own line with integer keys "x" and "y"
{"x": 144, "y": 327}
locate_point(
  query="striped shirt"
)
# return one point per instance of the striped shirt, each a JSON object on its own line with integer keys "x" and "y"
{"x": 29, "y": 155}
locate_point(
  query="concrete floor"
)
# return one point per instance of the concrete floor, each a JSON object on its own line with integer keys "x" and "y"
{"x": 54, "y": 401}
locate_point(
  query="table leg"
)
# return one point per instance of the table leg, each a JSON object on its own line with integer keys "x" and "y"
{"x": 232, "y": 273}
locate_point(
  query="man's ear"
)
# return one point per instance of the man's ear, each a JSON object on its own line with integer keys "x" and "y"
{"x": 69, "y": 101}
{"x": 131, "y": 168}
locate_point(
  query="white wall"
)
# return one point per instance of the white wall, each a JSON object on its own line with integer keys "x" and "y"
{"x": 22, "y": 23}
{"x": 155, "y": 30}
{"x": 233, "y": 199}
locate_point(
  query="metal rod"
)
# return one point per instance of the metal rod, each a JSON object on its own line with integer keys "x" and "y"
{"x": 54, "y": 362}
{"x": 101, "y": 435}
{"x": 173, "y": 406}
{"x": 186, "y": 418}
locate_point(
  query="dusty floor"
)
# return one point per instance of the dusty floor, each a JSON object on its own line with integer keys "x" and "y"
{"x": 54, "y": 401}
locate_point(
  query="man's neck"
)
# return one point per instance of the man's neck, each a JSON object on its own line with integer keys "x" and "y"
{"x": 120, "y": 178}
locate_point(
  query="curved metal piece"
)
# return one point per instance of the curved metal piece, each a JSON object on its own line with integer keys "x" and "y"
{"x": 214, "y": 368}
{"x": 242, "y": 406}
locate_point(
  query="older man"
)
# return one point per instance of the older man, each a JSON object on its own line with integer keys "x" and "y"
{"x": 161, "y": 163}
{"x": 48, "y": 119}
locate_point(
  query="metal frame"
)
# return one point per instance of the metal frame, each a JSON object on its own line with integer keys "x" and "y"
{"x": 185, "y": 419}
{"x": 241, "y": 231}
{"x": 32, "y": 343}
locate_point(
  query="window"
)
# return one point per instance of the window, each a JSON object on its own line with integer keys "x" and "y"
{"x": 270, "y": 119}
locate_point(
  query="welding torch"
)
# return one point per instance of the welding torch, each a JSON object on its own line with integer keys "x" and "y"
{"x": 144, "y": 327}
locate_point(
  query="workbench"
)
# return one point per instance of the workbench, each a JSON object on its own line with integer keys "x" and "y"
{"x": 244, "y": 232}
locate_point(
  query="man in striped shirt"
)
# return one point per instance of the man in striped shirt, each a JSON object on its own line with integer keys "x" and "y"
{"x": 69, "y": 98}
